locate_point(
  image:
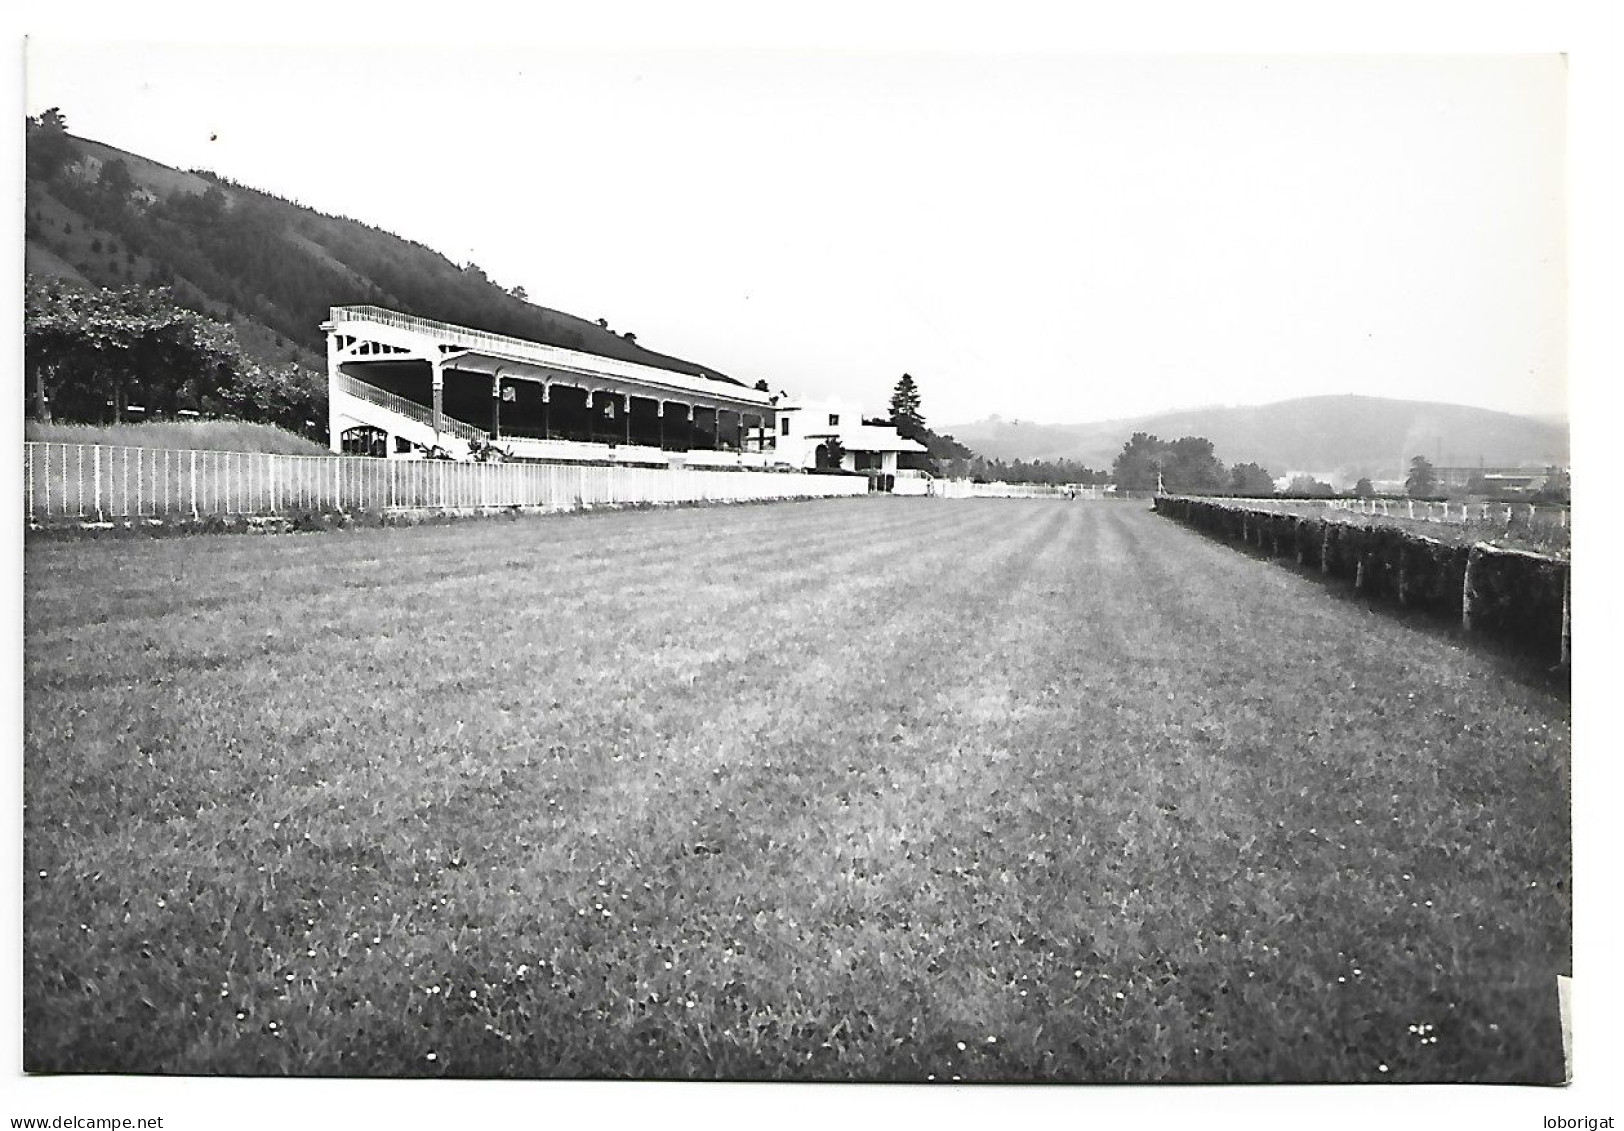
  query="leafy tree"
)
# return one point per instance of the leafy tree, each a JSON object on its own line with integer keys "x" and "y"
{"x": 908, "y": 419}
{"x": 1250, "y": 479}
{"x": 87, "y": 347}
{"x": 1308, "y": 485}
{"x": 939, "y": 449}
{"x": 1138, "y": 465}
{"x": 1423, "y": 478}
{"x": 48, "y": 144}
{"x": 274, "y": 394}
{"x": 1026, "y": 471}
{"x": 1364, "y": 489}
{"x": 906, "y": 416}
{"x": 1191, "y": 466}
{"x": 1187, "y": 464}
{"x": 115, "y": 181}
{"x": 830, "y": 453}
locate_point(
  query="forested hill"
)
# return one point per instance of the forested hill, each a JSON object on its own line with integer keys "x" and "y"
{"x": 269, "y": 266}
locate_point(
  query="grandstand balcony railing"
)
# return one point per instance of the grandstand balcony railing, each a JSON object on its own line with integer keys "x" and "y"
{"x": 594, "y": 366}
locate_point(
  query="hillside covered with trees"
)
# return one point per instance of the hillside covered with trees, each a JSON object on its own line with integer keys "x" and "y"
{"x": 97, "y": 217}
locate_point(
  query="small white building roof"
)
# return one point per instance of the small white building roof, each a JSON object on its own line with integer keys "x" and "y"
{"x": 854, "y": 436}
{"x": 868, "y": 438}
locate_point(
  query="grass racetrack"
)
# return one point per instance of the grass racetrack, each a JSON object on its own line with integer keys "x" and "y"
{"x": 856, "y": 789}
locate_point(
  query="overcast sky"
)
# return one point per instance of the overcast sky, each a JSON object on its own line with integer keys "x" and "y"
{"x": 1055, "y": 237}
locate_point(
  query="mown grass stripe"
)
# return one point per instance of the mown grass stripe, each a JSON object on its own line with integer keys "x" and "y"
{"x": 845, "y": 766}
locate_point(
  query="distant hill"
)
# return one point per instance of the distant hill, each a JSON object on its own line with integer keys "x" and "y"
{"x": 1347, "y": 436}
{"x": 271, "y": 267}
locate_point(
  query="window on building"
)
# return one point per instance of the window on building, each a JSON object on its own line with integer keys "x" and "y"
{"x": 783, "y": 424}
{"x": 403, "y": 446}
{"x": 834, "y": 420}
{"x": 364, "y": 440}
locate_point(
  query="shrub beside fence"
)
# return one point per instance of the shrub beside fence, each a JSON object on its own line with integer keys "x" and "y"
{"x": 92, "y": 482}
{"x": 1518, "y": 595}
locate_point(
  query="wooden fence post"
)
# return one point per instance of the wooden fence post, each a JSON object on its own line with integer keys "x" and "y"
{"x": 1466, "y": 590}
{"x": 1567, "y": 618}
{"x": 1325, "y": 547}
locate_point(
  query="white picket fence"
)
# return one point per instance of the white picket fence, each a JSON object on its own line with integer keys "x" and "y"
{"x": 966, "y": 489}
{"x": 99, "y": 482}
{"x": 1457, "y": 512}
{"x": 1532, "y": 516}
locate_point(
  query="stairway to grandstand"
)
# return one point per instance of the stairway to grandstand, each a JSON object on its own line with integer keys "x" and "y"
{"x": 408, "y": 409}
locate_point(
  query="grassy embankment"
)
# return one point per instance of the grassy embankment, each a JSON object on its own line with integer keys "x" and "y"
{"x": 899, "y": 789}
{"x": 180, "y": 435}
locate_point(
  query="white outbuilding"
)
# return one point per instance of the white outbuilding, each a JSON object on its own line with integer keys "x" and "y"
{"x": 811, "y": 433}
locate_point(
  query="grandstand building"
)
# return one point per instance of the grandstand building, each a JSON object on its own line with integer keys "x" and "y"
{"x": 402, "y": 387}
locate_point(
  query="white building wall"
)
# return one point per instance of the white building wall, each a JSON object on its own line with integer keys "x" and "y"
{"x": 809, "y": 426}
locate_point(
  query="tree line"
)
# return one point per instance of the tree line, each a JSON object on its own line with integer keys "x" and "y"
{"x": 1187, "y": 465}
{"x": 94, "y": 355}
{"x": 946, "y": 456}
